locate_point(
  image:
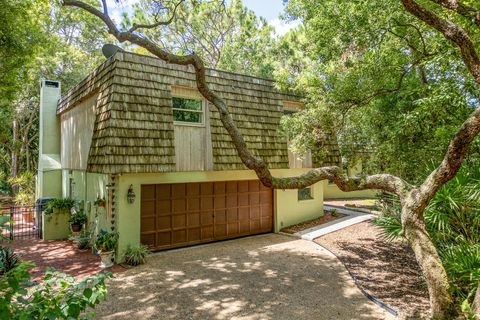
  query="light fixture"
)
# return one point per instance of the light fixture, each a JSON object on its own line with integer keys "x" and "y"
{"x": 130, "y": 195}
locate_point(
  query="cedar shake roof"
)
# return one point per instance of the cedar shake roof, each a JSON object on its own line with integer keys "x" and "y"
{"x": 133, "y": 130}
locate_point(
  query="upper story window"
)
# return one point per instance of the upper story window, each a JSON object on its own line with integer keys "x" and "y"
{"x": 188, "y": 111}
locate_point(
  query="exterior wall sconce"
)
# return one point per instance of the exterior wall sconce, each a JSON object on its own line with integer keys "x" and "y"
{"x": 130, "y": 195}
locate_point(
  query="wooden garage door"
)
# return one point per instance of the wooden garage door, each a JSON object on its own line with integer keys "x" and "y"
{"x": 175, "y": 215}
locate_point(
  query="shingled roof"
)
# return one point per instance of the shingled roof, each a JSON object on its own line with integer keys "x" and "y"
{"x": 133, "y": 129}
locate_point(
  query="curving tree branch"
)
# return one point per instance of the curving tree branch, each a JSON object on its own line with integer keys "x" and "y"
{"x": 158, "y": 23}
{"x": 462, "y": 9}
{"x": 383, "y": 182}
{"x": 452, "y": 32}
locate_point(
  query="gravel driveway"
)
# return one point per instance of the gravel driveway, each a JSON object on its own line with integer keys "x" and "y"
{"x": 261, "y": 277}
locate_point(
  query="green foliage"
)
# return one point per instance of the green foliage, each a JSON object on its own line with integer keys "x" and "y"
{"x": 4, "y": 226}
{"x": 453, "y": 222}
{"x": 25, "y": 183}
{"x": 83, "y": 243}
{"x": 60, "y": 204}
{"x": 78, "y": 218}
{"x": 106, "y": 241}
{"x": 389, "y": 89}
{"x": 8, "y": 259}
{"x": 59, "y": 296}
{"x": 136, "y": 255}
{"x": 226, "y": 35}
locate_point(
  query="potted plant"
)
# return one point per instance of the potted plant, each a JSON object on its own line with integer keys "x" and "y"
{"x": 100, "y": 202}
{"x": 77, "y": 220}
{"x": 105, "y": 245}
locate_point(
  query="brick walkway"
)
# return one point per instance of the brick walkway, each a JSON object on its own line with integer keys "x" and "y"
{"x": 60, "y": 255}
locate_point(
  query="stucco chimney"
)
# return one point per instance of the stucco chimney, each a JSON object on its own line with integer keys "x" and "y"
{"x": 49, "y": 177}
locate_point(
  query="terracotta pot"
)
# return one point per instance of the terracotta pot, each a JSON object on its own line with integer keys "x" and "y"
{"x": 28, "y": 216}
{"x": 76, "y": 227}
{"x": 107, "y": 259}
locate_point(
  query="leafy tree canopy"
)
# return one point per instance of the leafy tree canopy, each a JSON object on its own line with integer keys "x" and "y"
{"x": 390, "y": 88}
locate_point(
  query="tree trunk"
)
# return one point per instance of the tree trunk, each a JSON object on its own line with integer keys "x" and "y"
{"x": 476, "y": 303}
{"x": 429, "y": 261}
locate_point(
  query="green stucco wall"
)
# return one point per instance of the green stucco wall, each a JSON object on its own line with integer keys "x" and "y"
{"x": 55, "y": 226}
{"x": 331, "y": 191}
{"x": 87, "y": 187}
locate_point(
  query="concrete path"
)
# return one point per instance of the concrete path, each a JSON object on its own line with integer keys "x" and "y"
{"x": 261, "y": 277}
{"x": 353, "y": 217}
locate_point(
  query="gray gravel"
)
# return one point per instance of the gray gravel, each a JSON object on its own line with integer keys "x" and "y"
{"x": 262, "y": 277}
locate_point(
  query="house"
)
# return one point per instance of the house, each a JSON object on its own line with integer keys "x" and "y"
{"x": 138, "y": 134}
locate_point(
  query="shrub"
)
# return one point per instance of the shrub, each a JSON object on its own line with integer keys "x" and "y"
{"x": 59, "y": 296}
{"x": 136, "y": 255}
{"x": 60, "y": 204}
{"x": 83, "y": 243}
{"x": 78, "y": 218}
{"x": 106, "y": 241}
{"x": 453, "y": 222}
{"x": 8, "y": 259}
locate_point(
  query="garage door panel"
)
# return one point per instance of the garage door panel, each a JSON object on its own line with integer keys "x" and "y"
{"x": 253, "y": 186}
{"x": 244, "y": 226}
{"x": 193, "y": 189}
{"x": 148, "y": 209}
{"x": 219, "y": 188}
{"x": 254, "y": 213}
{"x": 206, "y": 218}
{"x": 162, "y": 192}
{"x": 243, "y": 199}
{"x": 164, "y": 207}
{"x": 232, "y": 215}
{"x": 254, "y": 225}
{"x": 232, "y": 187}
{"x": 164, "y": 238}
{"x": 179, "y": 236}
{"x": 164, "y": 223}
{"x": 232, "y": 229}
{"x": 193, "y": 219}
{"x": 174, "y": 215}
{"x": 220, "y": 231}
{"x": 148, "y": 239}
{"x": 266, "y": 197}
{"x": 207, "y": 233}
{"x": 148, "y": 191}
{"x": 254, "y": 198}
{"x": 266, "y": 210}
{"x": 243, "y": 213}
{"x": 179, "y": 221}
{"x": 206, "y": 203}
{"x": 219, "y": 202}
{"x": 193, "y": 234}
{"x": 220, "y": 217}
{"x": 193, "y": 204}
{"x": 206, "y": 188}
{"x": 178, "y": 191}
{"x": 242, "y": 186}
{"x": 179, "y": 205}
{"x": 231, "y": 200}
{"x": 147, "y": 224}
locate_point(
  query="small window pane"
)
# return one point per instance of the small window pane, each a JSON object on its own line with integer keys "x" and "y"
{"x": 186, "y": 116}
{"x": 187, "y": 104}
{"x": 305, "y": 194}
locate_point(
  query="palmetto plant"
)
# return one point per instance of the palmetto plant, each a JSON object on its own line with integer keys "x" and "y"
{"x": 453, "y": 222}
{"x": 8, "y": 259}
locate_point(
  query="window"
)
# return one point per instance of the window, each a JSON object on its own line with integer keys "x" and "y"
{"x": 305, "y": 194}
{"x": 187, "y": 110}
